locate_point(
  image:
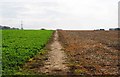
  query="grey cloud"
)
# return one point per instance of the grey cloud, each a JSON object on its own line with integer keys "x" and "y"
{"x": 14, "y": 9}
{"x": 11, "y": 10}
{"x": 51, "y": 12}
{"x": 45, "y": 4}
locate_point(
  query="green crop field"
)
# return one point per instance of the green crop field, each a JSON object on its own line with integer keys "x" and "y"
{"x": 18, "y": 46}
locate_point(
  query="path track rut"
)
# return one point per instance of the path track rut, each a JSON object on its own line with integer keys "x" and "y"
{"x": 57, "y": 59}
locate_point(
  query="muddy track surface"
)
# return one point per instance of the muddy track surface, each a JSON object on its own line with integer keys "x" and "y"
{"x": 56, "y": 59}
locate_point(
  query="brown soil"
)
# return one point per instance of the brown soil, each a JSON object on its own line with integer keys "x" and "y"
{"x": 91, "y": 52}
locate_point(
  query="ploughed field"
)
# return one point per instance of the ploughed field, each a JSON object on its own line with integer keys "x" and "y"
{"x": 18, "y": 46}
{"x": 91, "y": 52}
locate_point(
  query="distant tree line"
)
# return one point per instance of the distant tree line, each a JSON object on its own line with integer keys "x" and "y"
{"x": 43, "y": 29}
{"x": 7, "y": 27}
{"x": 114, "y": 29}
{"x": 100, "y": 29}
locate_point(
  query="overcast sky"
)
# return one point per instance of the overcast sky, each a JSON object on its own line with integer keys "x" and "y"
{"x": 59, "y": 14}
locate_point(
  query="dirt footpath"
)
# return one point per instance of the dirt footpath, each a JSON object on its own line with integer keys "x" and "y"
{"x": 56, "y": 59}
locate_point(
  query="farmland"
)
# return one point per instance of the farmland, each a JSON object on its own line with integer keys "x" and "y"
{"x": 18, "y": 46}
{"x": 68, "y": 52}
{"x": 91, "y": 52}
